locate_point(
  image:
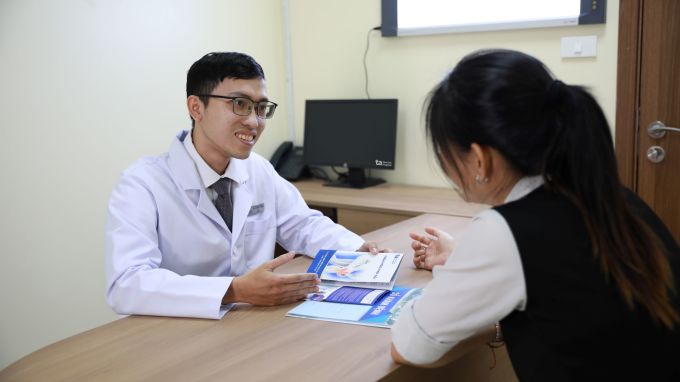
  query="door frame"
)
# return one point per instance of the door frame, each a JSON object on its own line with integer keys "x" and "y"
{"x": 628, "y": 91}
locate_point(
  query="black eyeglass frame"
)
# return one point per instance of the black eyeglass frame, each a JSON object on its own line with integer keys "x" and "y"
{"x": 254, "y": 105}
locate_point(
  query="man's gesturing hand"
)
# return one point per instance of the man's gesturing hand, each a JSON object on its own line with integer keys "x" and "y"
{"x": 261, "y": 286}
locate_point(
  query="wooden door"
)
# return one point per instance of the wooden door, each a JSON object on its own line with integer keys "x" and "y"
{"x": 649, "y": 91}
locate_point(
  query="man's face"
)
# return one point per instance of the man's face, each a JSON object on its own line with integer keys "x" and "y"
{"x": 220, "y": 134}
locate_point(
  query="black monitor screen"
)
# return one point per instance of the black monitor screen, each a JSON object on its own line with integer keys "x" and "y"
{"x": 360, "y": 133}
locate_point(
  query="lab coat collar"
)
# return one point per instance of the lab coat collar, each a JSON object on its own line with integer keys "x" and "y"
{"x": 241, "y": 194}
{"x": 186, "y": 175}
{"x": 208, "y": 176}
{"x": 182, "y": 165}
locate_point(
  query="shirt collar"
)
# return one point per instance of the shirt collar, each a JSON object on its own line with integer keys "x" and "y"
{"x": 235, "y": 169}
{"x": 523, "y": 187}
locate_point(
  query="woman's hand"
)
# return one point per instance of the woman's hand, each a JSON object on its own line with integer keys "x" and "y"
{"x": 431, "y": 249}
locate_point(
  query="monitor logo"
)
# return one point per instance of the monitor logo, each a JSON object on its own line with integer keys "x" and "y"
{"x": 384, "y": 163}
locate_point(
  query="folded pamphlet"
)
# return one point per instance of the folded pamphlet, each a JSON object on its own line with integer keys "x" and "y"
{"x": 356, "y": 269}
{"x": 382, "y": 313}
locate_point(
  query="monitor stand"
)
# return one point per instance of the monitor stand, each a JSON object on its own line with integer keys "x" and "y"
{"x": 355, "y": 178}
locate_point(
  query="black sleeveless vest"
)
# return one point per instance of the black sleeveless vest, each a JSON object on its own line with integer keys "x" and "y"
{"x": 576, "y": 326}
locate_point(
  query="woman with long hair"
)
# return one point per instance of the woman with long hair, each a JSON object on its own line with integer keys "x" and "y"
{"x": 580, "y": 273}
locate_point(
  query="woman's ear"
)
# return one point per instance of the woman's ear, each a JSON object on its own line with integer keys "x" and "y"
{"x": 195, "y": 107}
{"x": 481, "y": 161}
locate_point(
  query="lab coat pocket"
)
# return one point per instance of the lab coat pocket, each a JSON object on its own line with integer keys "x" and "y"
{"x": 260, "y": 226}
{"x": 259, "y": 237}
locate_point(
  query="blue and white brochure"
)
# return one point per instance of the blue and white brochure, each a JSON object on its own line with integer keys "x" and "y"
{"x": 382, "y": 313}
{"x": 347, "y": 295}
{"x": 357, "y": 269}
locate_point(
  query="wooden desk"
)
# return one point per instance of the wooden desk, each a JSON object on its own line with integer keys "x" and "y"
{"x": 252, "y": 343}
{"x": 368, "y": 209}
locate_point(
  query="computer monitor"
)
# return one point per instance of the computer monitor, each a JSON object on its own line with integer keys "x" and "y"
{"x": 357, "y": 134}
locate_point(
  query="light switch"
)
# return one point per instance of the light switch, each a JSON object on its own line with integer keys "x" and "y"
{"x": 579, "y": 46}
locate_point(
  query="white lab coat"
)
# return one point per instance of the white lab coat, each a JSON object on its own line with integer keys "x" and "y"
{"x": 168, "y": 251}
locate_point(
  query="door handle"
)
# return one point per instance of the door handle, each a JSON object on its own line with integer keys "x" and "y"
{"x": 658, "y": 129}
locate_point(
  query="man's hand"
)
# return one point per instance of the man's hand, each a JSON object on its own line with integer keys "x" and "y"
{"x": 261, "y": 286}
{"x": 371, "y": 246}
{"x": 431, "y": 249}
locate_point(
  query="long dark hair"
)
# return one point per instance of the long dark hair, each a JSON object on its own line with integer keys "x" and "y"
{"x": 511, "y": 102}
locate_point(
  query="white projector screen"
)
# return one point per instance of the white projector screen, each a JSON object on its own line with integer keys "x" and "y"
{"x": 413, "y": 17}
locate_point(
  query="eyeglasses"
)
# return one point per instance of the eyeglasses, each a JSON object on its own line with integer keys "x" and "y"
{"x": 244, "y": 106}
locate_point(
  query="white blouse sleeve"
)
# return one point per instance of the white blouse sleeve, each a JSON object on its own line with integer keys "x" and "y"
{"x": 481, "y": 282}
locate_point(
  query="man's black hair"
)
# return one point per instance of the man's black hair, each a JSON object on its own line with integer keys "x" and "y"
{"x": 208, "y": 72}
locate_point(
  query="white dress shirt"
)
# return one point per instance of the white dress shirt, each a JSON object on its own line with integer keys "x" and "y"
{"x": 481, "y": 282}
{"x": 168, "y": 250}
{"x": 207, "y": 174}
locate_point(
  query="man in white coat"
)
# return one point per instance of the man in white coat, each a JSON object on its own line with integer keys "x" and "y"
{"x": 170, "y": 251}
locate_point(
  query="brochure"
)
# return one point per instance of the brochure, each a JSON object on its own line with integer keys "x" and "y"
{"x": 357, "y": 269}
{"x": 347, "y": 295}
{"x": 382, "y": 314}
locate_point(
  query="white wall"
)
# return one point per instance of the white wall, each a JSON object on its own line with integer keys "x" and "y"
{"x": 328, "y": 43}
{"x": 88, "y": 86}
